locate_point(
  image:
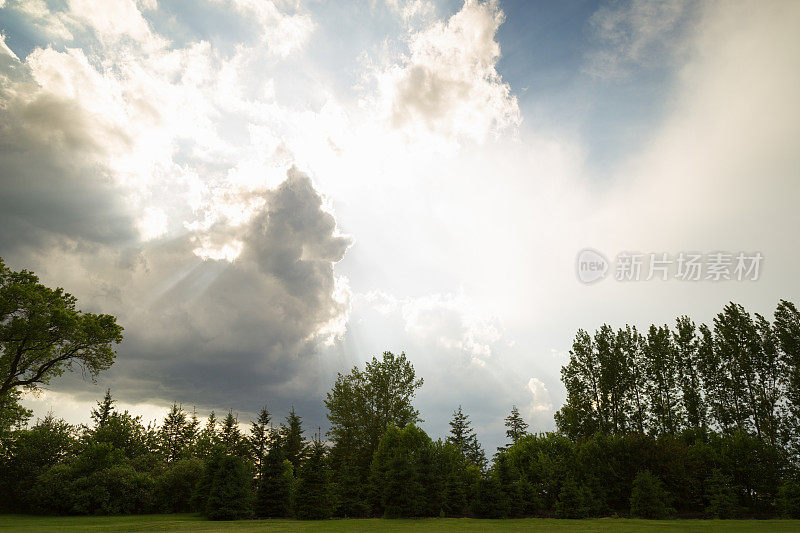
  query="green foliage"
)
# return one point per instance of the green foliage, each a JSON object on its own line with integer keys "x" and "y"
{"x": 260, "y": 438}
{"x": 295, "y": 446}
{"x": 312, "y": 499}
{"x": 574, "y": 501}
{"x": 42, "y": 334}
{"x": 176, "y": 485}
{"x": 648, "y": 497}
{"x": 273, "y": 494}
{"x": 361, "y": 405}
{"x": 177, "y": 435}
{"x": 31, "y": 453}
{"x": 397, "y": 472}
{"x": 230, "y": 495}
{"x": 789, "y": 499}
{"x": 516, "y": 426}
{"x": 722, "y": 495}
{"x": 463, "y": 436}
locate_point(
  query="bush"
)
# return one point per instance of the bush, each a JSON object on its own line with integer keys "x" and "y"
{"x": 573, "y": 501}
{"x": 789, "y": 500}
{"x": 230, "y": 496}
{"x": 176, "y": 485}
{"x": 722, "y": 496}
{"x": 648, "y": 497}
{"x": 52, "y": 493}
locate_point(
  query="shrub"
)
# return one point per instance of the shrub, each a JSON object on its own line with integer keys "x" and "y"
{"x": 722, "y": 496}
{"x": 648, "y": 497}
{"x": 789, "y": 499}
{"x": 573, "y": 501}
{"x": 52, "y": 493}
{"x": 176, "y": 485}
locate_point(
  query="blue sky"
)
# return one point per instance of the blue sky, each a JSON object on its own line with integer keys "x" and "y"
{"x": 267, "y": 193}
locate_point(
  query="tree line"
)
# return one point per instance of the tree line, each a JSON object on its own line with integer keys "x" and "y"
{"x": 692, "y": 421}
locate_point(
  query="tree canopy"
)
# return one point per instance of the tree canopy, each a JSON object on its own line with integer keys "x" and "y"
{"x": 42, "y": 334}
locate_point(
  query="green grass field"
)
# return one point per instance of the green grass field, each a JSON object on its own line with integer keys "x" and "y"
{"x": 195, "y": 523}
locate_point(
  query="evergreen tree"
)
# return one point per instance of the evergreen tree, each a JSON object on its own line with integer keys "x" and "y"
{"x": 312, "y": 499}
{"x": 463, "y": 436}
{"x": 208, "y": 439}
{"x": 295, "y": 446}
{"x": 260, "y": 438}
{"x": 231, "y": 438}
{"x": 398, "y": 471}
{"x": 103, "y": 410}
{"x": 274, "y": 486}
{"x": 230, "y": 496}
{"x": 516, "y": 426}
{"x": 177, "y": 434}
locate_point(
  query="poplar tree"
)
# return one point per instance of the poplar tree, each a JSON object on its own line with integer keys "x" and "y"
{"x": 686, "y": 345}
{"x": 579, "y": 416}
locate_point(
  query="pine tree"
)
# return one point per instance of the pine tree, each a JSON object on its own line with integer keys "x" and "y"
{"x": 517, "y": 427}
{"x": 104, "y": 410}
{"x": 208, "y": 438}
{"x": 295, "y": 446}
{"x": 312, "y": 499}
{"x": 176, "y": 434}
{"x": 231, "y": 436}
{"x": 230, "y": 496}
{"x": 260, "y": 438}
{"x": 464, "y": 437}
{"x": 274, "y": 485}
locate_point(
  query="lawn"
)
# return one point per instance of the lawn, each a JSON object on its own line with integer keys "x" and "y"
{"x": 463, "y": 525}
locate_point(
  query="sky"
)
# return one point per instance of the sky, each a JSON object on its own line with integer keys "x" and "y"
{"x": 266, "y": 193}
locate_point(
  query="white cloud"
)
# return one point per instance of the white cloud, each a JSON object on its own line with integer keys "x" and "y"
{"x": 540, "y": 397}
{"x": 446, "y": 88}
{"x": 451, "y": 322}
{"x": 282, "y": 33}
{"x": 112, "y": 19}
{"x": 636, "y": 33}
{"x": 152, "y": 224}
{"x": 4, "y": 49}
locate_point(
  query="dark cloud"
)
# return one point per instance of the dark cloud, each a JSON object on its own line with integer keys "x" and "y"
{"x": 215, "y": 333}
{"x": 56, "y": 189}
